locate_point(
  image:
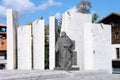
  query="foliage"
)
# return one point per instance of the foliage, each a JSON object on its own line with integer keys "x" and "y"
{"x": 30, "y": 23}
{"x": 47, "y": 56}
{"x": 59, "y": 25}
{"x": 46, "y": 47}
{"x": 94, "y": 17}
{"x": 59, "y": 21}
{"x": 47, "y": 29}
{"x": 59, "y": 29}
{"x": 41, "y": 18}
{"x": 84, "y": 6}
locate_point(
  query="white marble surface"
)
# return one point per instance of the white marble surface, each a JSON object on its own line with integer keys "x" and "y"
{"x": 12, "y": 24}
{"x": 24, "y": 51}
{"x": 38, "y": 44}
{"x": 52, "y": 40}
{"x": 73, "y": 25}
{"x": 92, "y": 41}
{"x": 97, "y": 47}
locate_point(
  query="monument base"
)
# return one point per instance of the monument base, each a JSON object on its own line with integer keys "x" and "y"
{"x": 67, "y": 68}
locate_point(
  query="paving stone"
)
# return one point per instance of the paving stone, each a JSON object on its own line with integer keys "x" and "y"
{"x": 56, "y": 75}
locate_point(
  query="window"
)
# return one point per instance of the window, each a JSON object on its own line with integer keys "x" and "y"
{"x": 117, "y": 53}
{"x": 117, "y": 35}
{"x": 2, "y": 29}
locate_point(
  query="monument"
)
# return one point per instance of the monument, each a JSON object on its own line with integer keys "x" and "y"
{"x": 12, "y": 24}
{"x": 25, "y": 44}
{"x": 52, "y": 40}
{"x": 30, "y": 46}
{"x": 38, "y": 44}
{"x": 24, "y": 47}
{"x": 92, "y": 43}
{"x": 64, "y": 46}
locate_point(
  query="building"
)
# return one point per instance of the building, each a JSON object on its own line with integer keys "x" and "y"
{"x": 3, "y": 47}
{"x": 114, "y": 20}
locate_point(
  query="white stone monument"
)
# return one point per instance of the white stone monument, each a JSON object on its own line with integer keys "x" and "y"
{"x": 52, "y": 40}
{"x": 92, "y": 41}
{"x": 38, "y": 44}
{"x": 97, "y": 47}
{"x": 24, "y": 47}
{"x": 12, "y": 24}
{"x": 73, "y": 25}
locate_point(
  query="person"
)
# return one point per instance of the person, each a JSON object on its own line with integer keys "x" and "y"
{"x": 64, "y": 47}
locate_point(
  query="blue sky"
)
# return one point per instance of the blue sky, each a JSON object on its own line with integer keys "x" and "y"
{"x": 30, "y": 10}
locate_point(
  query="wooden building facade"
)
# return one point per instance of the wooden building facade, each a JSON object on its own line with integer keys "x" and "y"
{"x": 114, "y": 20}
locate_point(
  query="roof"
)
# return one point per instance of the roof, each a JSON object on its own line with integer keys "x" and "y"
{"x": 4, "y": 45}
{"x": 2, "y": 25}
{"x": 111, "y": 17}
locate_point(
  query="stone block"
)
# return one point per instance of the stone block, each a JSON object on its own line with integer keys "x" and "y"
{"x": 38, "y": 44}
{"x": 98, "y": 47}
{"x": 52, "y": 40}
{"x": 12, "y": 24}
{"x": 24, "y": 47}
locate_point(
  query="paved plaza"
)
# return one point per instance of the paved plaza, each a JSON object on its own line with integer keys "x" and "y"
{"x": 56, "y": 75}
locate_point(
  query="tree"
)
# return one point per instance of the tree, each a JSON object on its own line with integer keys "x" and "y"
{"x": 47, "y": 56}
{"x": 94, "y": 17}
{"x": 47, "y": 29}
{"x": 59, "y": 20}
{"x": 30, "y": 23}
{"x": 84, "y": 6}
{"x": 46, "y": 46}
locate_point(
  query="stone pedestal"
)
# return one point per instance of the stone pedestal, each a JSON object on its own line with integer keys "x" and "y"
{"x": 70, "y": 68}
{"x": 12, "y": 24}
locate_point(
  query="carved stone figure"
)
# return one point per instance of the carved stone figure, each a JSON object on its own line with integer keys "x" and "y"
{"x": 64, "y": 47}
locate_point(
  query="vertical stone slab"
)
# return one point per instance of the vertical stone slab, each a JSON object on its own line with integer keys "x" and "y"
{"x": 38, "y": 45}
{"x": 88, "y": 47}
{"x": 12, "y": 24}
{"x": 52, "y": 40}
{"x": 24, "y": 47}
{"x": 102, "y": 47}
{"x": 73, "y": 25}
{"x": 98, "y": 50}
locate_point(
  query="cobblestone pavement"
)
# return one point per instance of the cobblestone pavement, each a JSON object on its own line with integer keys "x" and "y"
{"x": 56, "y": 75}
